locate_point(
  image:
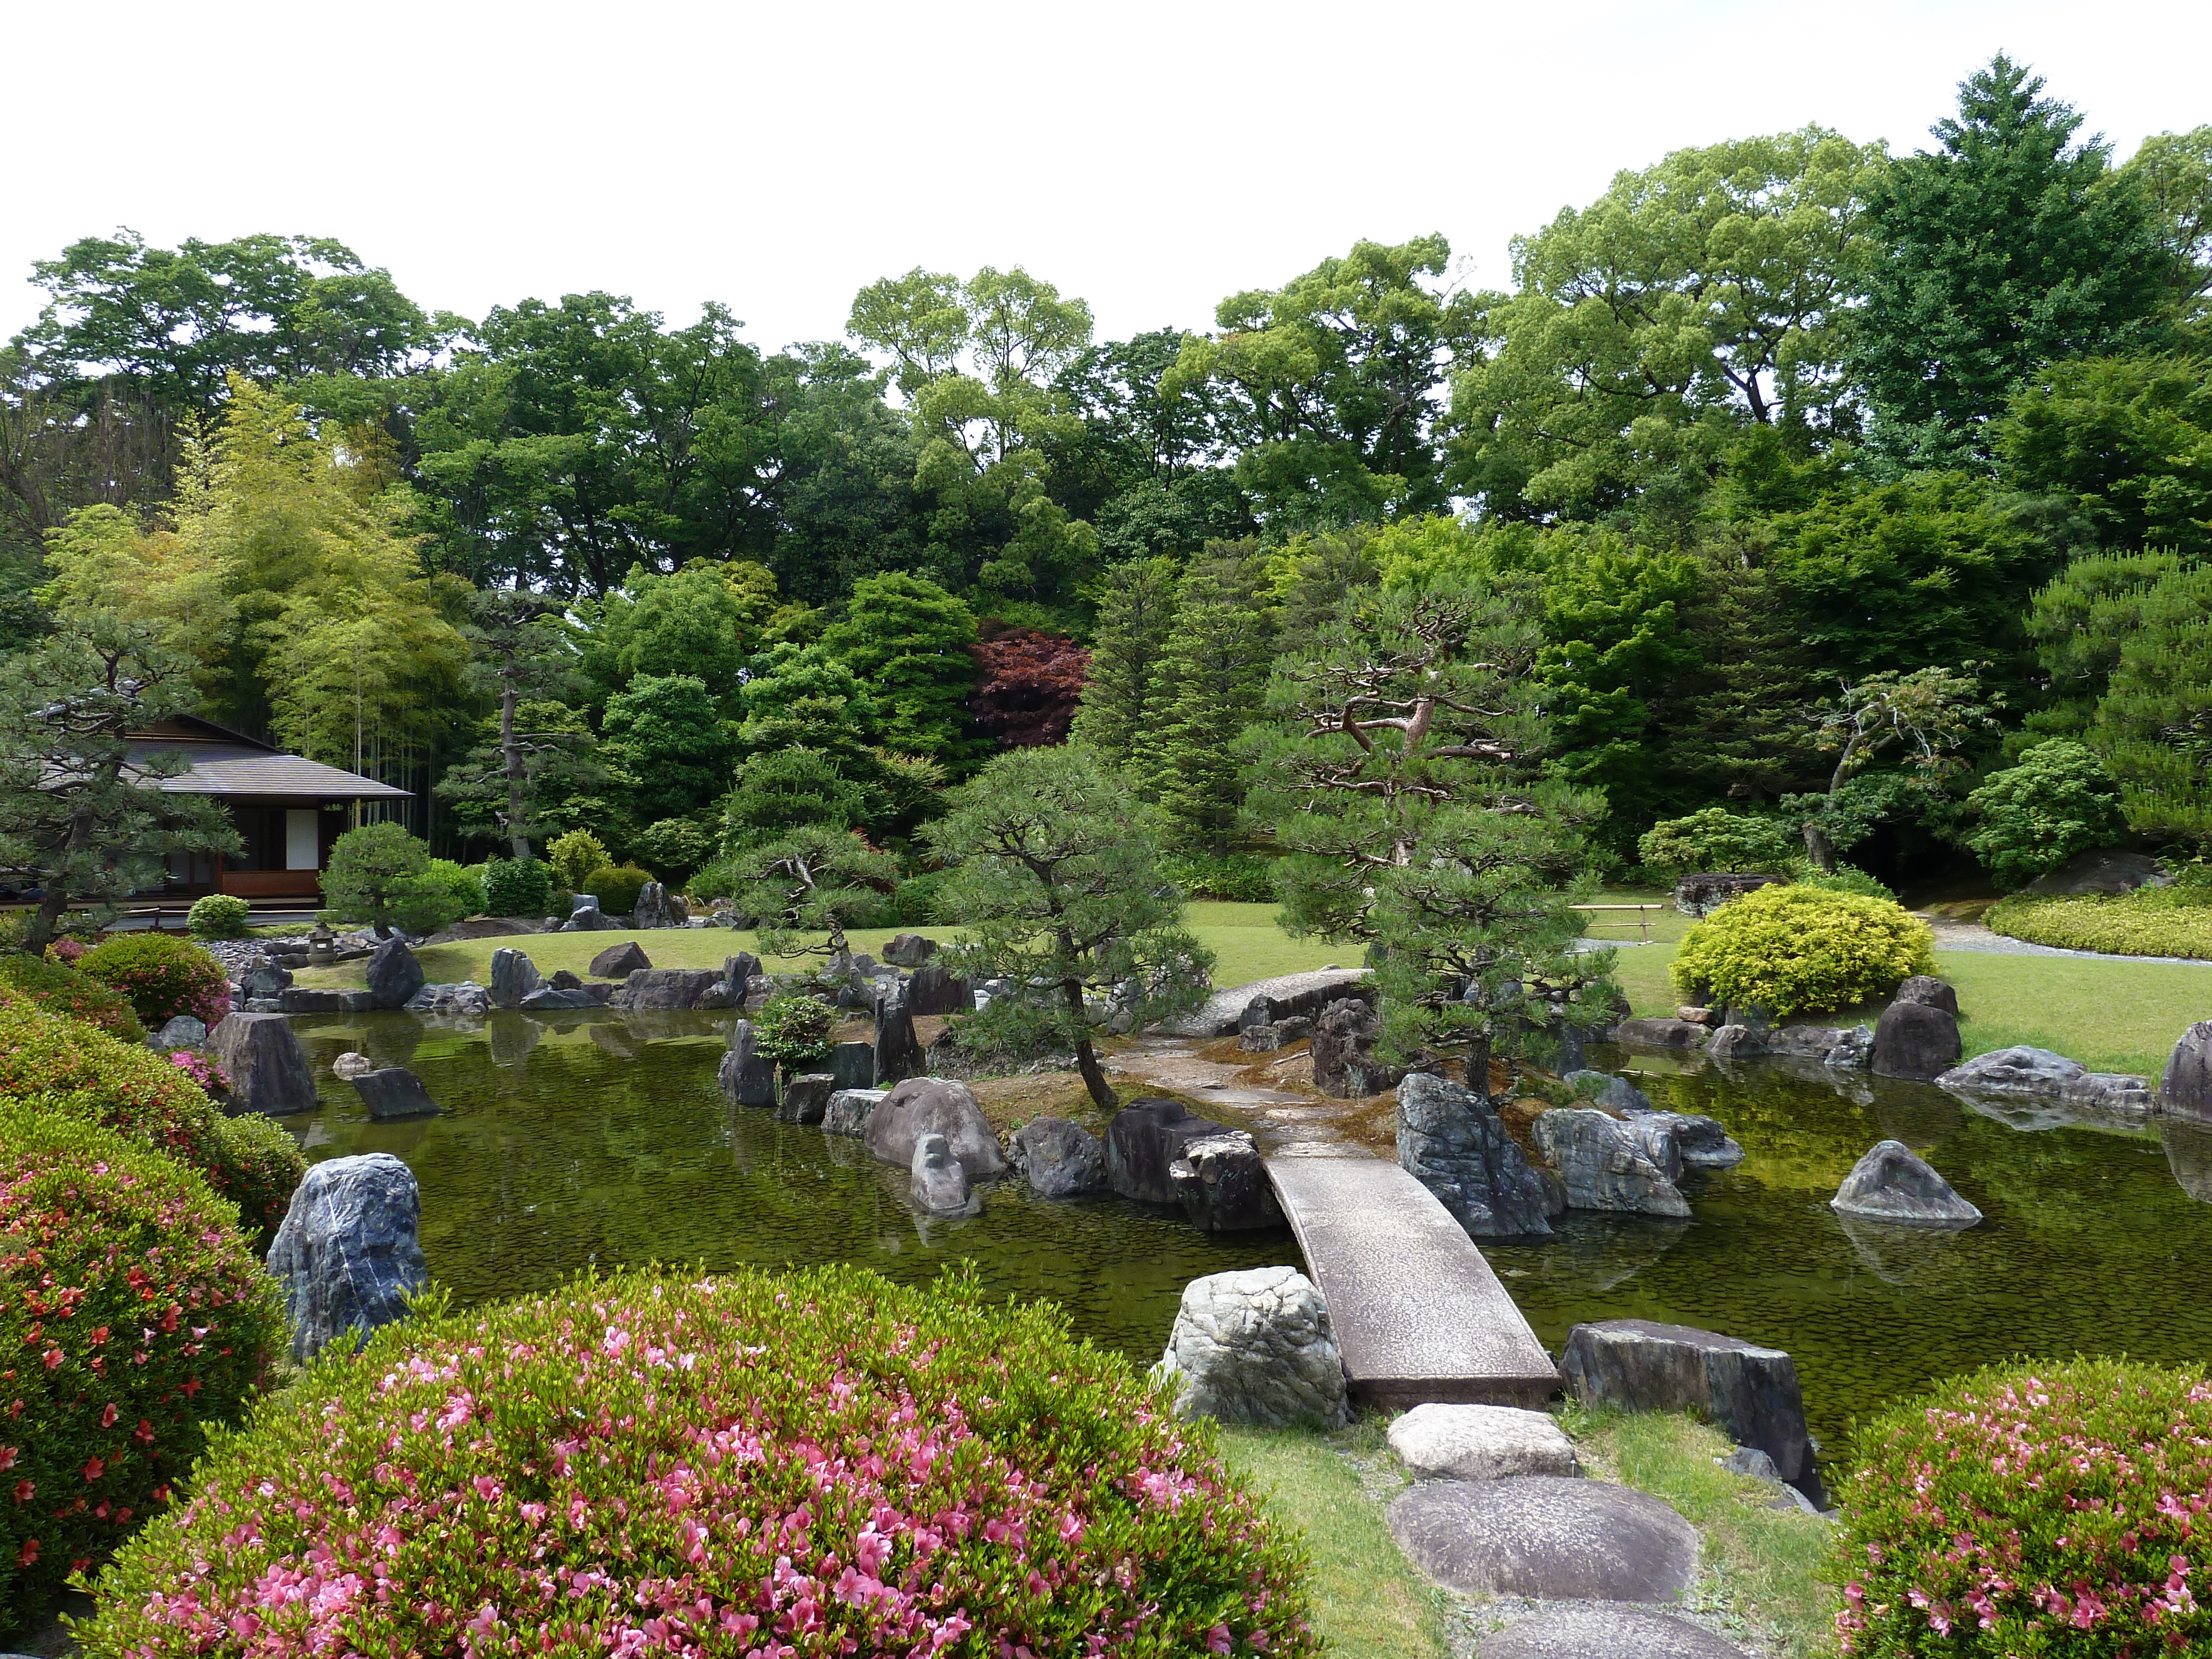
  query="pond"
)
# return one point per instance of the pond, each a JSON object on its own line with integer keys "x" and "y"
{"x": 606, "y": 1141}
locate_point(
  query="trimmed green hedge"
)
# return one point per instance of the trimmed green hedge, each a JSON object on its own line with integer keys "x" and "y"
{"x": 1794, "y": 949}
{"x": 2149, "y": 922}
{"x": 809, "y": 1464}
{"x": 133, "y": 1313}
{"x": 55, "y": 988}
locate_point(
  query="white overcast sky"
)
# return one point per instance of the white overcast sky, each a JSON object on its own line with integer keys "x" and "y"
{"x": 1149, "y": 157}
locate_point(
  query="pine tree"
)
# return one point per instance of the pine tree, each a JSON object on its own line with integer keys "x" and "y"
{"x": 1123, "y": 693}
{"x": 1743, "y": 730}
{"x": 1215, "y": 666}
{"x": 909, "y": 640}
{"x": 2154, "y": 726}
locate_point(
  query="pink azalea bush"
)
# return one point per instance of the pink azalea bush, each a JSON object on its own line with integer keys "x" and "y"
{"x": 2046, "y": 1511}
{"x": 162, "y": 976}
{"x": 133, "y": 1312}
{"x": 199, "y": 1067}
{"x": 743, "y": 1464}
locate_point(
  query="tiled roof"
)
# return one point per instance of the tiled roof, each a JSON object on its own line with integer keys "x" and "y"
{"x": 219, "y": 768}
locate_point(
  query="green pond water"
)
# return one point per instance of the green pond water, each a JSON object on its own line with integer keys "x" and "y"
{"x": 604, "y": 1141}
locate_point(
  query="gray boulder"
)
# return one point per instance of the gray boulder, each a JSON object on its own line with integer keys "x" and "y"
{"x": 620, "y": 961}
{"x": 1603, "y": 1166}
{"x": 936, "y": 990}
{"x": 909, "y": 951}
{"x": 1749, "y": 1392}
{"x": 1893, "y": 1183}
{"x": 1481, "y": 1443}
{"x": 1842, "y": 1048}
{"x": 850, "y": 1109}
{"x": 394, "y": 1092}
{"x": 2185, "y": 1090}
{"x": 585, "y": 916}
{"x": 741, "y": 969}
{"x": 1927, "y": 988}
{"x": 2021, "y": 1072}
{"x": 300, "y": 1000}
{"x": 1702, "y": 894}
{"x": 939, "y": 1183}
{"x": 1917, "y": 1040}
{"x": 1705, "y": 1145}
{"x": 1057, "y": 1159}
{"x": 1660, "y": 1033}
{"x": 1546, "y": 1536}
{"x": 179, "y": 1031}
{"x": 394, "y": 975}
{"x": 465, "y": 1000}
{"x": 897, "y": 1051}
{"x": 514, "y": 976}
{"x": 2105, "y": 870}
{"x": 1656, "y": 1134}
{"x": 1600, "y": 1630}
{"x": 347, "y": 1256}
{"x": 1269, "y": 1039}
{"x": 656, "y": 909}
{"x": 548, "y": 1001}
{"x": 1451, "y": 1142}
{"x": 1737, "y": 1042}
{"x": 1344, "y": 1064}
{"x": 350, "y": 1065}
{"x": 1143, "y": 1141}
{"x": 268, "y": 1070}
{"x": 928, "y": 1105}
{"x": 264, "y": 979}
{"x": 1255, "y": 1347}
{"x": 667, "y": 988}
{"x": 853, "y": 1064}
{"x": 1290, "y": 994}
{"x": 1615, "y": 1094}
{"x": 747, "y": 1077}
{"x": 1222, "y": 1184}
{"x": 806, "y": 1099}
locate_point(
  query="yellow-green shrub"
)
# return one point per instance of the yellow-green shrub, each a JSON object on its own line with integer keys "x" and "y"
{"x": 2145, "y": 923}
{"x": 1788, "y": 949}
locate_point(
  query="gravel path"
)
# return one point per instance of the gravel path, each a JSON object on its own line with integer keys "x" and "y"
{"x": 1972, "y": 936}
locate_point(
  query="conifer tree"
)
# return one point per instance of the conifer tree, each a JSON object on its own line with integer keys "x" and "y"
{"x": 1743, "y": 731}
{"x": 1215, "y": 666}
{"x": 2153, "y": 725}
{"x": 1122, "y": 694}
{"x": 909, "y": 640}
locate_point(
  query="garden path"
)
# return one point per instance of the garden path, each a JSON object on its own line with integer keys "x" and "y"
{"x": 1952, "y": 934}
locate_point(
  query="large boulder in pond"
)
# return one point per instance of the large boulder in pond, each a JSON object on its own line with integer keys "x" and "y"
{"x": 620, "y": 961}
{"x": 1657, "y": 1032}
{"x": 268, "y": 1070}
{"x": 1144, "y": 1140}
{"x": 514, "y": 976}
{"x": 1917, "y": 1041}
{"x": 1893, "y": 1183}
{"x": 347, "y": 1255}
{"x": 667, "y": 988}
{"x": 895, "y": 1054}
{"x": 394, "y": 975}
{"x": 1255, "y": 1347}
{"x": 2021, "y": 1072}
{"x": 1603, "y": 1165}
{"x": 1452, "y": 1143}
{"x": 393, "y": 1091}
{"x": 937, "y": 1181}
{"x": 1221, "y": 1181}
{"x": 747, "y": 1076}
{"x": 850, "y": 1110}
{"x": 1057, "y": 1159}
{"x": 2185, "y": 1090}
{"x": 934, "y": 1105}
{"x": 1926, "y": 987}
{"x": 806, "y": 1099}
{"x": 1748, "y": 1391}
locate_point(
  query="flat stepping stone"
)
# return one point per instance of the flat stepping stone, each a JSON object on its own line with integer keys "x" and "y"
{"x": 1481, "y": 1443}
{"x": 1546, "y": 1536}
{"x": 1603, "y": 1630}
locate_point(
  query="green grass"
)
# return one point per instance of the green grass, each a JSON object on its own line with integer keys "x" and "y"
{"x": 1760, "y": 1566}
{"x": 1369, "y": 1602}
{"x": 1245, "y": 941}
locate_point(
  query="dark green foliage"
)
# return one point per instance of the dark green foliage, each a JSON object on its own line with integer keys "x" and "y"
{"x": 517, "y": 887}
{"x": 380, "y": 875}
{"x": 2153, "y": 727}
{"x": 675, "y": 846}
{"x": 1847, "y": 878}
{"x": 666, "y": 747}
{"x": 1235, "y": 878}
{"x": 1212, "y": 673}
{"x": 617, "y": 887}
{"x": 907, "y": 640}
{"x": 1741, "y": 730}
{"x": 2058, "y": 801}
{"x": 2120, "y": 449}
{"x": 1717, "y": 838}
{"x": 811, "y": 879}
{"x": 2008, "y": 246}
{"x": 794, "y": 1030}
{"x": 1124, "y": 697}
{"x": 58, "y": 988}
{"x": 218, "y": 915}
{"x": 779, "y": 789}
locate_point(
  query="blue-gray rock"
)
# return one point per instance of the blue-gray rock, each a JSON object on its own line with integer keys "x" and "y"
{"x": 806, "y": 1099}
{"x": 665, "y": 989}
{"x": 1927, "y": 988}
{"x": 739, "y": 971}
{"x": 1257, "y": 1348}
{"x": 179, "y": 1031}
{"x": 1658, "y": 1033}
{"x": 620, "y": 961}
{"x": 305, "y": 999}
{"x": 1604, "y": 1629}
{"x": 2185, "y": 1090}
{"x": 1451, "y": 1142}
{"x": 935, "y": 989}
{"x": 1344, "y": 1063}
{"x": 586, "y": 917}
{"x": 394, "y": 975}
{"x": 1703, "y": 1142}
{"x": 267, "y": 1068}
{"x": 1654, "y": 1132}
{"x": 898, "y": 1050}
{"x": 394, "y": 1092}
{"x": 548, "y": 1001}
{"x": 853, "y": 1064}
{"x": 1603, "y": 1164}
{"x": 1550, "y": 1537}
{"x": 2021, "y": 1072}
{"x": 514, "y": 976}
{"x": 934, "y": 1105}
{"x": 1222, "y": 1184}
{"x": 938, "y": 1182}
{"x": 747, "y": 1076}
{"x": 656, "y": 907}
{"x": 347, "y": 1255}
{"x": 1893, "y": 1183}
{"x": 1614, "y": 1093}
{"x": 1057, "y": 1159}
{"x": 1290, "y": 994}
{"x": 1144, "y": 1139}
{"x": 1749, "y": 1392}
{"x": 909, "y": 950}
{"x": 1917, "y": 1040}
{"x": 464, "y": 998}
{"x": 850, "y": 1110}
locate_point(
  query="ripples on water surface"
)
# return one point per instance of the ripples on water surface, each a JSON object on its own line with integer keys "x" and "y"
{"x": 606, "y": 1142}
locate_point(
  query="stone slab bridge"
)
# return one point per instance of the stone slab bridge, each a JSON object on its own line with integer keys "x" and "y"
{"x": 1418, "y": 1314}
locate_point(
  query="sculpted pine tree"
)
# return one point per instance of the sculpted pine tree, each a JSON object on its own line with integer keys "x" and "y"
{"x": 815, "y": 879}
{"x": 1398, "y": 767}
{"x": 522, "y": 653}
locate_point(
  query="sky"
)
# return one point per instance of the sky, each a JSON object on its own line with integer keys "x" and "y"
{"x": 1151, "y": 158}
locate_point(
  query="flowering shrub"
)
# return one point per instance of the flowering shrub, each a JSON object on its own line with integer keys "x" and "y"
{"x": 163, "y": 976}
{"x": 77, "y": 1072}
{"x": 37, "y": 982}
{"x": 1788, "y": 948}
{"x": 2048, "y": 1511}
{"x": 218, "y": 915}
{"x": 67, "y": 950}
{"x": 199, "y": 1067}
{"x": 132, "y": 1314}
{"x": 743, "y": 1464}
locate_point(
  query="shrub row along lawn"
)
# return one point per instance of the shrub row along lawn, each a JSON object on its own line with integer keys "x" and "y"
{"x": 2149, "y": 923}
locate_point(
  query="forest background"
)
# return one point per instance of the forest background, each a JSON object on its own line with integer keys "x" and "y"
{"x": 1767, "y": 424}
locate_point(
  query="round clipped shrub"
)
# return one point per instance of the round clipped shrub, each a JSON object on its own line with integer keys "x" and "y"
{"x": 2046, "y": 1509}
{"x": 2032, "y": 817}
{"x": 1789, "y": 949}
{"x": 794, "y": 1031}
{"x": 460, "y": 889}
{"x": 162, "y": 976}
{"x": 517, "y": 887}
{"x": 617, "y": 887}
{"x": 824, "y": 1463}
{"x": 76, "y": 1071}
{"x": 1846, "y": 878}
{"x": 1716, "y": 838}
{"x": 573, "y": 856}
{"x": 218, "y": 915}
{"x": 132, "y": 1315}
{"x": 57, "y": 988}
